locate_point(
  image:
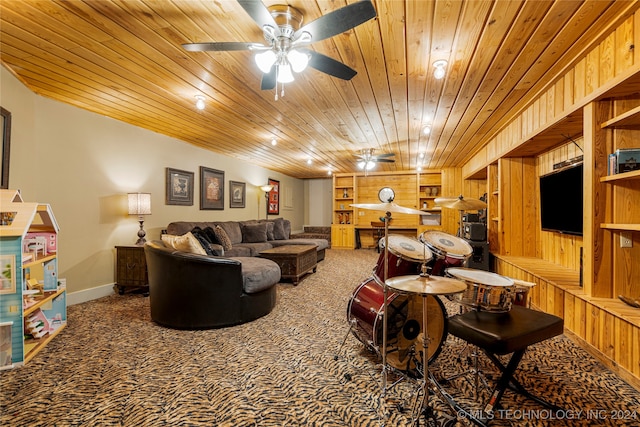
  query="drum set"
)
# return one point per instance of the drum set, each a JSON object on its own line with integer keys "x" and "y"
{"x": 397, "y": 312}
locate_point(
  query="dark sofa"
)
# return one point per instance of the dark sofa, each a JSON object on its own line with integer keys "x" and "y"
{"x": 192, "y": 291}
{"x": 245, "y": 241}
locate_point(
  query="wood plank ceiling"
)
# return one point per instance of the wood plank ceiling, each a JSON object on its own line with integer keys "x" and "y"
{"x": 123, "y": 59}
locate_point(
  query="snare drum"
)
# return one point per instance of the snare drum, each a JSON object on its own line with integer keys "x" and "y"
{"x": 486, "y": 291}
{"x": 448, "y": 251}
{"x": 404, "y": 326}
{"x": 406, "y": 256}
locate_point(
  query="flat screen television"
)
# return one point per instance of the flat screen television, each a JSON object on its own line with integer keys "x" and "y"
{"x": 561, "y": 200}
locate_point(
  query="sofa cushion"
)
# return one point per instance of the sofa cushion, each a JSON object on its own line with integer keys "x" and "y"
{"x": 223, "y": 238}
{"x": 185, "y": 243}
{"x": 254, "y": 233}
{"x": 258, "y": 275}
{"x": 286, "y": 224}
{"x": 278, "y": 229}
{"x": 270, "y": 230}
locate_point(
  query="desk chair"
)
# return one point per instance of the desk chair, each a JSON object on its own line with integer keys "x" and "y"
{"x": 377, "y": 234}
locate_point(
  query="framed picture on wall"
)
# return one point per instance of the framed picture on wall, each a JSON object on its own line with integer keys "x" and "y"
{"x": 179, "y": 187}
{"x": 237, "y": 192}
{"x": 211, "y": 189}
{"x": 273, "y": 208}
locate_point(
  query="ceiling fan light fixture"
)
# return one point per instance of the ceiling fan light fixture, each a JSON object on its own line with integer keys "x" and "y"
{"x": 440, "y": 71}
{"x": 370, "y": 165}
{"x": 298, "y": 60}
{"x": 265, "y": 60}
{"x": 284, "y": 73}
{"x": 200, "y": 102}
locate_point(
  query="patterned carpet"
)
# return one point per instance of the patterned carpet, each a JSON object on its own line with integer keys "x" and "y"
{"x": 113, "y": 367}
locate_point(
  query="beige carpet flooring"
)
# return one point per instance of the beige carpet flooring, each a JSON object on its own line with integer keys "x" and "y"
{"x": 112, "y": 366}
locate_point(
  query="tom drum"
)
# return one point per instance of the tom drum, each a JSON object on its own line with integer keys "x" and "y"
{"x": 404, "y": 326}
{"x": 448, "y": 251}
{"x": 406, "y": 256}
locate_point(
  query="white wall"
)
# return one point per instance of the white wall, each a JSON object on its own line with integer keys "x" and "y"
{"x": 83, "y": 164}
{"x": 318, "y": 198}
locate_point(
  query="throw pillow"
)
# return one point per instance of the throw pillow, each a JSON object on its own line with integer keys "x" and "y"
{"x": 202, "y": 238}
{"x": 278, "y": 229}
{"x": 270, "y": 230}
{"x": 223, "y": 238}
{"x": 211, "y": 235}
{"x": 254, "y": 233}
{"x": 185, "y": 243}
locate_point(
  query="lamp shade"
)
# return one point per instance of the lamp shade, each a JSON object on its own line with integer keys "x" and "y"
{"x": 284, "y": 73}
{"x": 298, "y": 60}
{"x": 265, "y": 60}
{"x": 266, "y": 188}
{"x": 139, "y": 203}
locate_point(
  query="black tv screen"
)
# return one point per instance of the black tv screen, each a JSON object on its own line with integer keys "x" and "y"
{"x": 561, "y": 200}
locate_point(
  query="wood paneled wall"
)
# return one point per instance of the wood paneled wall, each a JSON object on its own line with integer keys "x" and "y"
{"x": 608, "y": 61}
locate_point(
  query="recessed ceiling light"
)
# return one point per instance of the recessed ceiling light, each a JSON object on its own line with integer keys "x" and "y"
{"x": 273, "y": 141}
{"x": 309, "y": 161}
{"x": 439, "y": 72}
{"x": 426, "y": 129}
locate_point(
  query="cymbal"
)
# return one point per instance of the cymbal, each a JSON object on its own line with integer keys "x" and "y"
{"x": 427, "y": 285}
{"x": 460, "y": 203}
{"x": 388, "y": 207}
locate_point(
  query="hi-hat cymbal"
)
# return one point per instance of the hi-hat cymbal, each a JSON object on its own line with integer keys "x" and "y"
{"x": 460, "y": 203}
{"x": 388, "y": 207}
{"x": 427, "y": 285}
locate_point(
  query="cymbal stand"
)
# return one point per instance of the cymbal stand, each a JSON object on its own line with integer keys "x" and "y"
{"x": 385, "y": 291}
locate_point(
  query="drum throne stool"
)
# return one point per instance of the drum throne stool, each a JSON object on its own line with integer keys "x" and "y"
{"x": 503, "y": 333}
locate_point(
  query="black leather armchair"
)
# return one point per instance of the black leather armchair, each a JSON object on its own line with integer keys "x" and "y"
{"x": 190, "y": 291}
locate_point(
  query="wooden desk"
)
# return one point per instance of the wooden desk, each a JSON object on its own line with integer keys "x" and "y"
{"x": 405, "y": 231}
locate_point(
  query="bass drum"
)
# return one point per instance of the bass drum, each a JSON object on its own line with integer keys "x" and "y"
{"x": 404, "y": 326}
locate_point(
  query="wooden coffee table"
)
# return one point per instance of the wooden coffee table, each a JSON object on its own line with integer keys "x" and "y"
{"x": 294, "y": 260}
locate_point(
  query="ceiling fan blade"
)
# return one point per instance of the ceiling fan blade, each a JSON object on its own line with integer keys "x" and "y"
{"x": 260, "y": 14}
{"x": 218, "y": 46}
{"x": 269, "y": 79}
{"x": 338, "y": 21}
{"x": 329, "y": 65}
{"x": 384, "y": 160}
{"x": 385, "y": 155}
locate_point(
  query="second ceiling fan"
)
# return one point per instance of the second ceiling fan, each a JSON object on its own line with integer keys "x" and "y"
{"x": 286, "y": 48}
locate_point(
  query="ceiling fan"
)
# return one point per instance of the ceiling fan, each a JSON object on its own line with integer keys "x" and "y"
{"x": 287, "y": 40}
{"x": 367, "y": 160}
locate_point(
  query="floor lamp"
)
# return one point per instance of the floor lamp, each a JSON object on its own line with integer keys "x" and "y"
{"x": 266, "y": 188}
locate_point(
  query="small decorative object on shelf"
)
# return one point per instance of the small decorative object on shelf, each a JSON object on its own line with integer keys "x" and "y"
{"x": 345, "y": 194}
{"x": 627, "y": 160}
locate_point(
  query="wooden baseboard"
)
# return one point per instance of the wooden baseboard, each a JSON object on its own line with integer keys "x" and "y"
{"x": 623, "y": 373}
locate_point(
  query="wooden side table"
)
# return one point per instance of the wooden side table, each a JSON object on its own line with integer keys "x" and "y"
{"x": 131, "y": 269}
